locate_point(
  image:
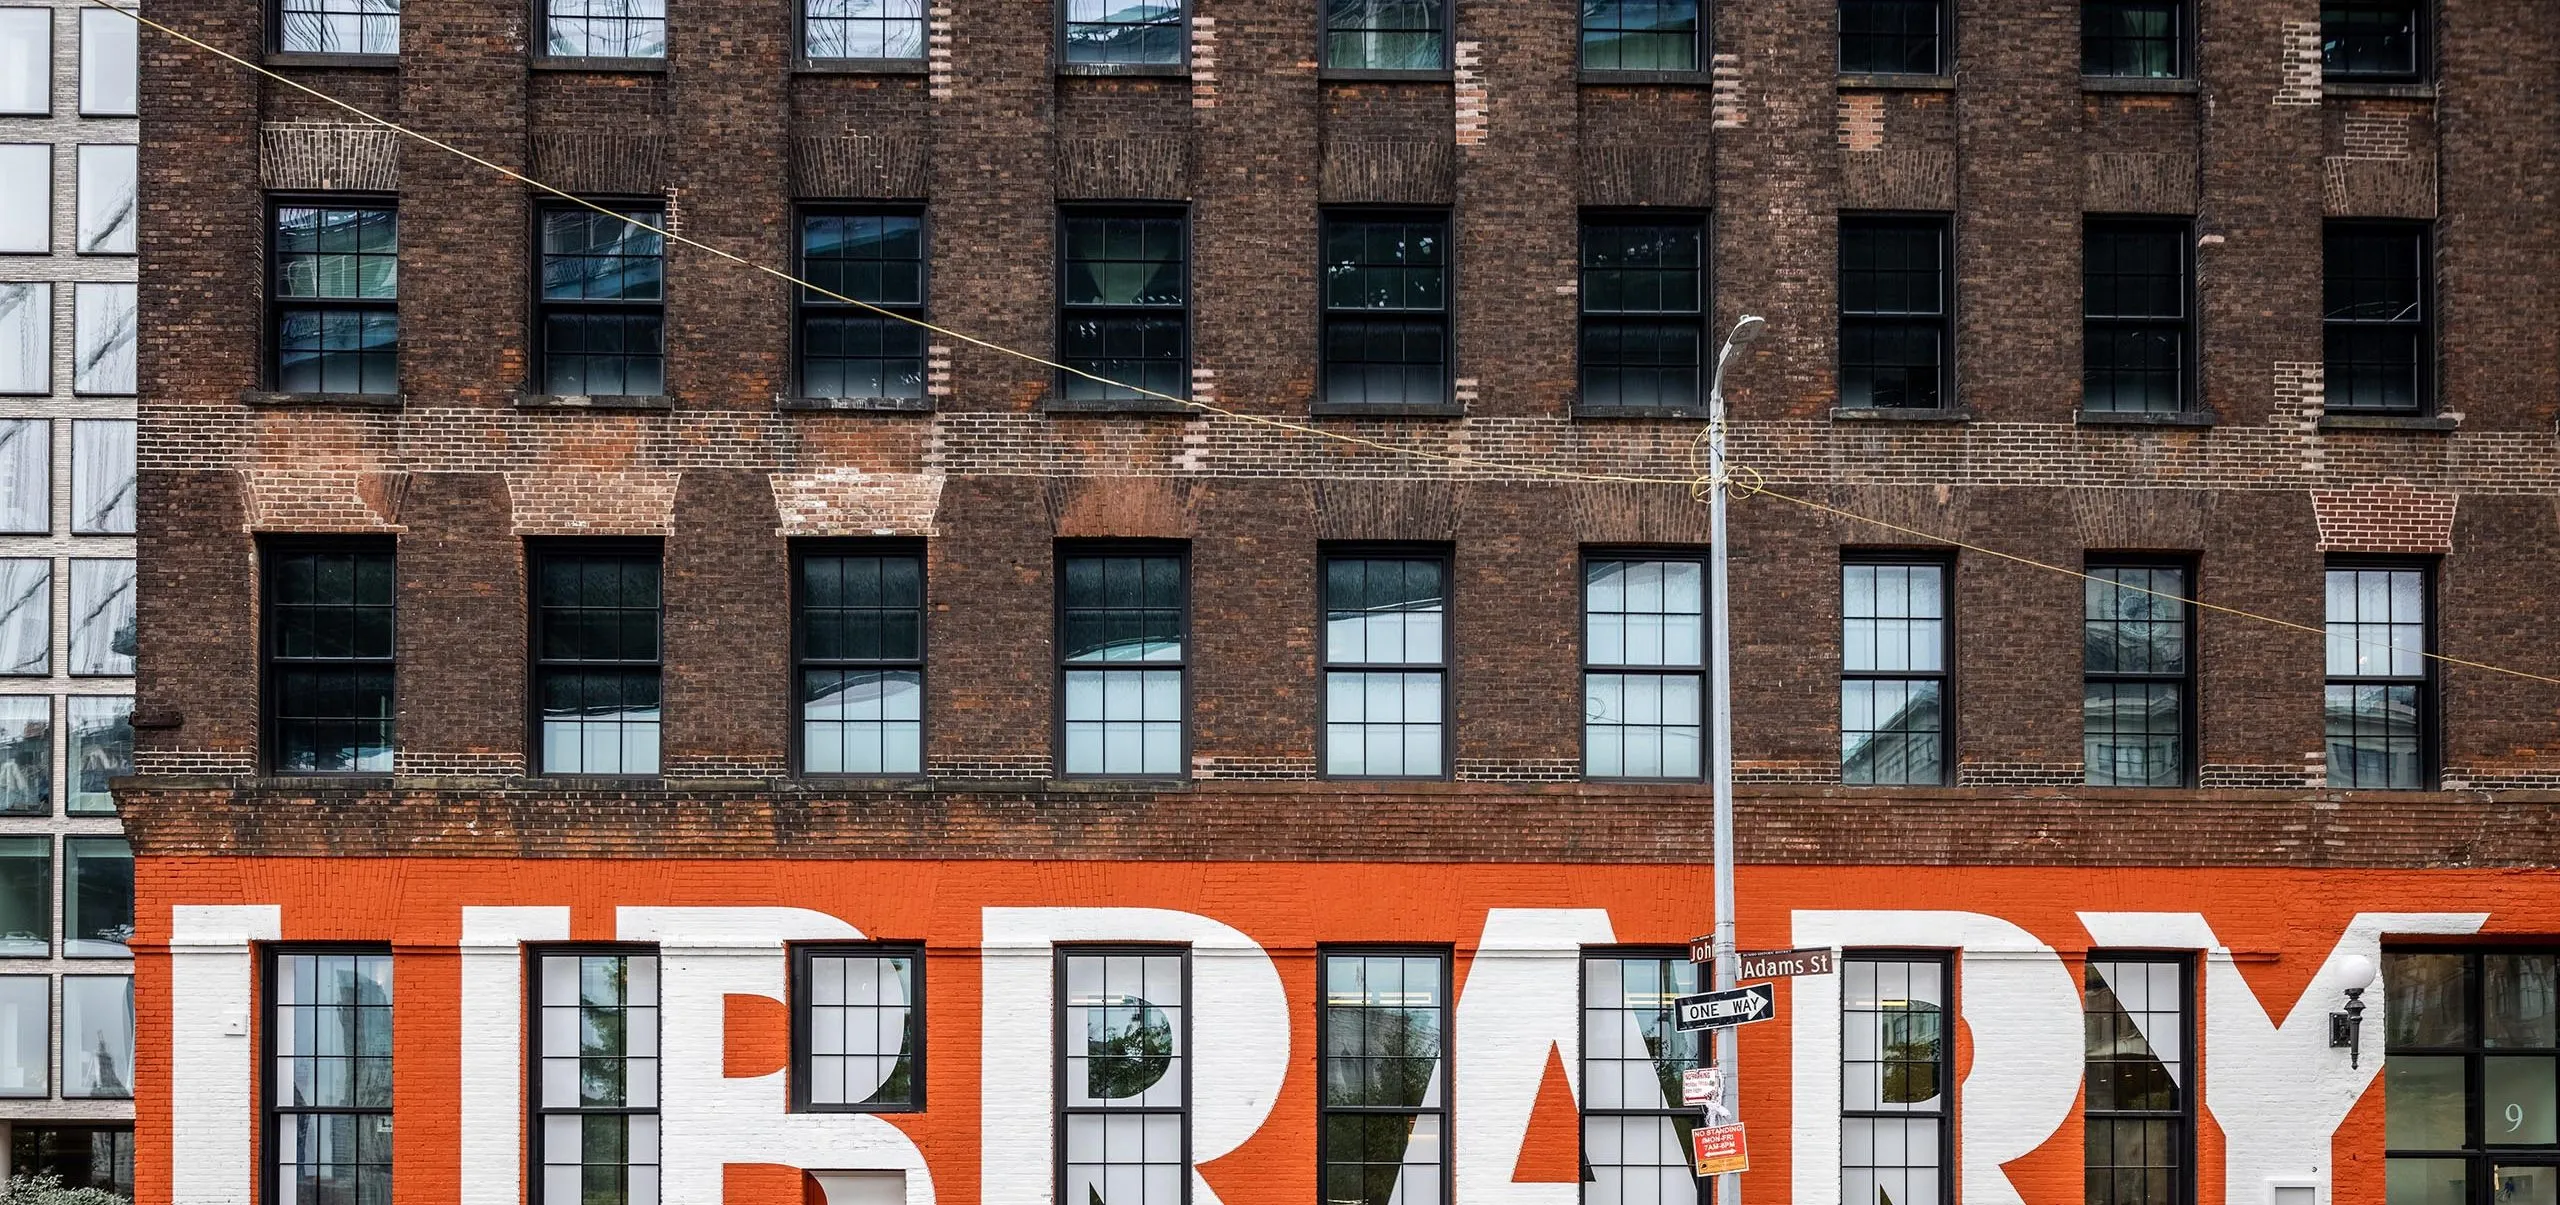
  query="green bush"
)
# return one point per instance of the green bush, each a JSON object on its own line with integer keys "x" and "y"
{"x": 45, "y": 1188}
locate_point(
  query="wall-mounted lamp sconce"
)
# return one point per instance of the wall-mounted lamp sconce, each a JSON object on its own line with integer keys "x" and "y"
{"x": 2347, "y": 1028}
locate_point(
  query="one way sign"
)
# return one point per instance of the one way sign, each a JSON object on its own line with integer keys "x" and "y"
{"x": 1715, "y": 1010}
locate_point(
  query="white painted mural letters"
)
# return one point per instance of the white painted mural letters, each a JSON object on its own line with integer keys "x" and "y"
{"x": 1521, "y": 999}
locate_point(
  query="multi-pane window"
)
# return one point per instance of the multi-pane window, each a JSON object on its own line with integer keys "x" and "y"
{"x": 110, "y": 65}
{"x": 102, "y": 634}
{"x": 603, "y": 309}
{"x": 1123, "y": 32}
{"x": 108, "y": 203}
{"x": 102, "y": 477}
{"x": 1896, "y": 1065}
{"x": 2138, "y": 675}
{"x": 26, "y": 476}
{"x": 1893, "y": 37}
{"x": 338, "y": 26}
{"x": 1644, "y": 628}
{"x": 2471, "y": 1055}
{"x": 26, "y": 755}
{"x": 336, "y": 320}
{"x": 1893, "y": 313}
{"x": 2376, "y": 314}
{"x": 871, "y": 256}
{"x": 2133, "y": 39}
{"x": 1386, "y": 35}
{"x": 2136, "y": 325}
{"x": 1385, "y": 1038}
{"x": 1124, "y": 1037}
{"x": 2137, "y": 1109}
{"x": 1643, "y": 294}
{"x": 1895, "y": 641}
{"x": 859, "y": 1029}
{"x": 26, "y": 62}
{"x": 861, "y": 661}
{"x": 596, "y": 1100}
{"x": 1386, "y": 665}
{"x": 862, "y": 29}
{"x": 97, "y": 897}
{"x": 597, "y": 658}
{"x": 1124, "y": 305}
{"x": 2372, "y": 39}
{"x": 1126, "y": 622}
{"x": 1386, "y": 308}
{"x": 329, "y": 1103}
{"x": 26, "y": 337}
{"x": 97, "y": 1036}
{"x": 330, "y": 658}
{"x": 1640, "y": 35}
{"x": 1635, "y": 1133}
{"x": 26, "y": 198}
{"x": 26, "y": 897}
{"x": 26, "y": 616}
{"x": 102, "y": 327}
{"x": 26, "y": 1033}
{"x": 101, "y": 750}
{"x": 605, "y": 29}
{"x": 85, "y": 1156}
{"x": 2381, "y": 683}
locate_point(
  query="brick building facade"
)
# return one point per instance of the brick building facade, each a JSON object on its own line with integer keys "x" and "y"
{"x": 601, "y": 751}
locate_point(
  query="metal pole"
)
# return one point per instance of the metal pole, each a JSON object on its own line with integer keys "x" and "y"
{"x": 1720, "y": 711}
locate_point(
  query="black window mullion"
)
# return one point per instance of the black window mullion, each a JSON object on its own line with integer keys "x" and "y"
{"x": 1153, "y": 638}
{"x": 1368, "y": 564}
{"x": 583, "y": 619}
{"x": 600, "y": 334}
{"x": 1386, "y": 309}
{"x": 1895, "y": 310}
{"x": 1376, "y": 1071}
{"x": 845, "y": 620}
{"x": 359, "y": 1180}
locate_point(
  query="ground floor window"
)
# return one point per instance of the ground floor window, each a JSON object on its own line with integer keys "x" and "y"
{"x": 84, "y": 1156}
{"x": 2472, "y": 1058}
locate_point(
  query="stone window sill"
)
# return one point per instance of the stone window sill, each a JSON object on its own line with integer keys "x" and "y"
{"x": 1139, "y": 406}
{"x": 1695, "y": 413}
{"x": 2390, "y": 422}
{"x": 2385, "y": 90}
{"x": 1158, "y": 70}
{"x": 368, "y": 401}
{"x": 1691, "y": 78}
{"x": 292, "y": 58}
{"x": 2139, "y": 418}
{"x": 1865, "y": 414}
{"x": 1910, "y": 83}
{"x": 2132, "y": 83}
{"x": 599, "y": 65}
{"x": 1363, "y": 410}
{"x": 1368, "y": 75}
{"x": 858, "y": 405}
{"x": 600, "y": 401}
{"x": 860, "y": 67}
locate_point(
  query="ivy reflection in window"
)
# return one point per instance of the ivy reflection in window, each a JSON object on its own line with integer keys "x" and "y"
{"x": 1385, "y": 1043}
{"x": 1124, "y": 1101}
{"x": 1895, "y": 1063}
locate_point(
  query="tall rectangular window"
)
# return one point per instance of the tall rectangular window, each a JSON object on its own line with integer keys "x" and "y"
{"x": 102, "y": 635}
{"x": 1386, "y": 308}
{"x": 1893, "y": 37}
{"x": 97, "y": 1037}
{"x": 865, "y": 30}
{"x": 336, "y": 319}
{"x": 1124, "y": 298}
{"x": 603, "y": 310}
{"x": 857, "y": 1028}
{"x": 102, "y": 476}
{"x": 26, "y": 755}
{"x": 1386, "y": 665}
{"x": 1896, "y": 1067}
{"x": 26, "y": 897}
{"x": 1641, "y": 35}
{"x": 1385, "y": 1038}
{"x": 97, "y": 897}
{"x": 102, "y": 328}
{"x": 107, "y": 199}
{"x": 338, "y": 26}
{"x": 26, "y": 62}
{"x": 862, "y": 618}
{"x": 1124, "y": 1080}
{"x": 26, "y": 616}
{"x": 597, "y": 657}
{"x": 596, "y": 1106}
{"x": 2381, "y": 683}
{"x": 26, "y": 198}
{"x": 2382, "y": 40}
{"x": 26, "y": 1033}
{"x": 2378, "y": 316}
{"x": 1126, "y": 618}
{"x": 1635, "y": 1132}
{"x": 101, "y": 750}
{"x": 2138, "y": 675}
{"x": 1894, "y": 313}
{"x": 331, "y": 657}
{"x": 2136, "y": 325}
{"x": 2133, "y": 39}
{"x": 874, "y": 256}
{"x": 329, "y": 1103}
{"x": 2470, "y": 1058}
{"x": 605, "y": 29}
{"x": 1643, "y": 647}
{"x": 26, "y": 338}
{"x": 1123, "y": 32}
{"x": 1896, "y": 645}
{"x": 1643, "y": 295}
{"x": 110, "y": 68}
{"x": 26, "y": 476}
{"x": 1386, "y": 35}
{"x": 2139, "y": 1117}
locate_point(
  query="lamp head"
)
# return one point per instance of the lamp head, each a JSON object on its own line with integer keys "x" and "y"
{"x": 2357, "y": 971}
{"x": 1748, "y": 329}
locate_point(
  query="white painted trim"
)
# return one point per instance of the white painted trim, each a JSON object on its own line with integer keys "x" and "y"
{"x": 212, "y": 1156}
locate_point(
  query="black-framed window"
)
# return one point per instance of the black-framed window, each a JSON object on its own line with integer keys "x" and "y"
{"x": 1643, "y": 650}
{"x": 1386, "y": 308}
{"x": 328, "y": 1103}
{"x": 2470, "y": 1060}
{"x": 2138, "y": 674}
{"x": 2381, "y": 685}
{"x": 97, "y": 1037}
{"x": 1893, "y": 37}
{"x": 2133, "y": 39}
{"x": 598, "y": 653}
{"x": 873, "y": 30}
{"x": 1124, "y": 32}
{"x": 1897, "y": 645}
{"x": 595, "y": 1106}
{"x": 97, "y": 897}
{"x": 335, "y": 313}
{"x": 2380, "y": 40}
{"x": 861, "y": 650}
{"x": 1642, "y": 35}
{"x": 330, "y": 657}
{"x": 857, "y": 1028}
{"x": 1124, "y": 1074}
{"x": 1124, "y": 303}
{"x": 1644, "y": 310}
{"x": 338, "y": 26}
{"x": 602, "y": 313}
{"x": 1126, "y": 616}
{"x": 1386, "y": 664}
{"x": 2137, "y": 327}
{"x": 1386, "y": 35}
{"x": 26, "y": 896}
{"x": 2377, "y": 313}
{"x": 604, "y": 29}
{"x": 1635, "y": 1132}
{"x": 872, "y": 255}
{"x": 1894, "y": 311}
{"x": 1384, "y": 1124}
{"x": 26, "y": 1037}
{"x": 26, "y": 755}
{"x": 2139, "y": 1110}
{"x": 85, "y": 1156}
{"x": 1896, "y": 1074}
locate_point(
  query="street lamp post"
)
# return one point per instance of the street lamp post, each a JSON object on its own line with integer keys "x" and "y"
{"x": 1720, "y": 711}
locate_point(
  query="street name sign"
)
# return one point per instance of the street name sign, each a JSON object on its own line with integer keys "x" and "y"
{"x": 1702, "y": 949}
{"x": 1716, "y": 1010}
{"x": 1720, "y": 1149}
{"x": 1782, "y": 964}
